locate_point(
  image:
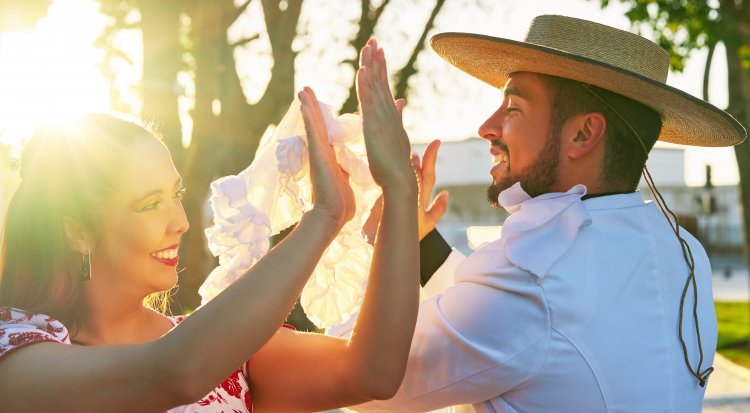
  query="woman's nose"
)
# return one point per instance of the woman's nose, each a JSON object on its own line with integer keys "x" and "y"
{"x": 180, "y": 222}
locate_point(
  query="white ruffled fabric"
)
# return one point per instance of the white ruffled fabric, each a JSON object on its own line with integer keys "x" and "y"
{"x": 273, "y": 193}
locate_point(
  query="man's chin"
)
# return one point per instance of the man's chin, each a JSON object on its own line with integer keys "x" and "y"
{"x": 493, "y": 192}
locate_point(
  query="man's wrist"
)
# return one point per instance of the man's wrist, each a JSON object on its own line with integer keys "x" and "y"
{"x": 433, "y": 251}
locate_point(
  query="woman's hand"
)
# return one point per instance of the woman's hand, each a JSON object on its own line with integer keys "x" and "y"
{"x": 386, "y": 141}
{"x": 332, "y": 195}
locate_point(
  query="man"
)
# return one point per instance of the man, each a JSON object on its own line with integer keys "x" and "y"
{"x": 578, "y": 307}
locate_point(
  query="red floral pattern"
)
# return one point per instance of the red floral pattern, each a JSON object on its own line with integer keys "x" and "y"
{"x": 232, "y": 395}
{"x": 19, "y": 328}
{"x": 232, "y": 385}
{"x": 27, "y": 337}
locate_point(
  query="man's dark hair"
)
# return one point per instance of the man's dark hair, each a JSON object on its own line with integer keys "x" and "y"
{"x": 624, "y": 157}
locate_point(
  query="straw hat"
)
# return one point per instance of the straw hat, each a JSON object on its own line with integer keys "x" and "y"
{"x": 613, "y": 59}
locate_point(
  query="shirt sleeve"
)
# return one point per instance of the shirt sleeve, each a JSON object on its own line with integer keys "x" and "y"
{"x": 486, "y": 335}
{"x": 439, "y": 281}
{"x": 20, "y": 328}
{"x": 433, "y": 251}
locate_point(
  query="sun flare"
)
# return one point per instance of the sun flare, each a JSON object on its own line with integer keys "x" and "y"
{"x": 51, "y": 73}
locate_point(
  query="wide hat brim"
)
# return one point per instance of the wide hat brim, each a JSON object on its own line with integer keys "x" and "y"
{"x": 686, "y": 119}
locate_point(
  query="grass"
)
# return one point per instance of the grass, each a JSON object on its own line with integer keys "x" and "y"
{"x": 734, "y": 331}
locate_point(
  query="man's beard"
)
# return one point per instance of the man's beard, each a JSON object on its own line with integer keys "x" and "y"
{"x": 537, "y": 178}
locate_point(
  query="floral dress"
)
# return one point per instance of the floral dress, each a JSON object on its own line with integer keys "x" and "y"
{"x": 19, "y": 328}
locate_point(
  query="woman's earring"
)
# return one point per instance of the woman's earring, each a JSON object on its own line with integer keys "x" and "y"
{"x": 86, "y": 266}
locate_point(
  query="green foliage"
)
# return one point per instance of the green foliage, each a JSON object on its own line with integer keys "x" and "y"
{"x": 681, "y": 26}
{"x": 734, "y": 331}
{"x": 123, "y": 15}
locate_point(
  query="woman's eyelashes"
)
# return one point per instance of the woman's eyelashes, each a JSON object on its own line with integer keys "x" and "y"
{"x": 157, "y": 202}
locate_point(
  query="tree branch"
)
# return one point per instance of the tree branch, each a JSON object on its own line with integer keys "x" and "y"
{"x": 241, "y": 10}
{"x": 367, "y": 24}
{"x": 244, "y": 41}
{"x": 409, "y": 68}
{"x": 379, "y": 12}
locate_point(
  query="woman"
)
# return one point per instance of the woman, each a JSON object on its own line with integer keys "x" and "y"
{"x": 94, "y": 228}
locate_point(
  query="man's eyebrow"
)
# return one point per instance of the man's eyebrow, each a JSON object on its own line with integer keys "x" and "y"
{"x": 512, "y": 90}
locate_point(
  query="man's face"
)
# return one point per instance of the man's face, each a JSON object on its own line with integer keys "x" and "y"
{"x": 524, "y": 147}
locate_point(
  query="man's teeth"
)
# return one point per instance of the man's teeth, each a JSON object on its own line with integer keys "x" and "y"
{"x": 165, "y": 255}
{"x": 498, "y": 159}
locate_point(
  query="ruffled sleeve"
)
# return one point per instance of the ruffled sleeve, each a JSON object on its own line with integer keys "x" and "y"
{"x": 273, "y": 193}
{"x": 20, "y": 328}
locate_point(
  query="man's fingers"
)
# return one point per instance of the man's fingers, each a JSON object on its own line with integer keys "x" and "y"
{"x": 429, "y": 158}
{"x": 416, "y": 163}
{"x": 400, "y": 103}
{"x": 438, "y": 207}
{"x": 428, "y": 168}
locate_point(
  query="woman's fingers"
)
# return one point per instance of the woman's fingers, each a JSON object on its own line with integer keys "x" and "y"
{"x": 385, "y": 138}
{"x": 330, "y": 183}
{"x": 315, "y": 126}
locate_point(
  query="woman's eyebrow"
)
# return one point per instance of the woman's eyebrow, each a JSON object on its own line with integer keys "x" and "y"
{"x": 177, "y": 184}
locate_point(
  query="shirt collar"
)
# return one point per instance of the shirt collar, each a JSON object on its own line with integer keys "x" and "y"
{"x": 540, "y": 230}
{"x": 615, "y": 201}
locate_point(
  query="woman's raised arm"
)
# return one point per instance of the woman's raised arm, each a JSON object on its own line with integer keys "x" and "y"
{"x": 310, "y": 372}
{"x": 202, "y": 351}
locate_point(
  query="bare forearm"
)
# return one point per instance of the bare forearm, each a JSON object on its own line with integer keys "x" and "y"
{"x": 248, "y": 312}
{"x": 379, "y": 346}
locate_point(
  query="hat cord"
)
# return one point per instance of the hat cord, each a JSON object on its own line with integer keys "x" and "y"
{"x": 687, "y": 254}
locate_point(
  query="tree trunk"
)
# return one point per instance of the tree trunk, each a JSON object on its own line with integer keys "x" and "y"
{"x": 225, "y": 141}
{"x": 739, "y": 107}
{"x": 737, "y": 18}
{"x": 246, "y": 123}
{"x": 707, "y": 70}
{"x": 209, "y": 34}
{"x": 162, "y": 57}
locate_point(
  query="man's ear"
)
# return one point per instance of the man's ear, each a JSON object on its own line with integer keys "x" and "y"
{"x": 79, "y": 239}
{"x": 584, "y": 133}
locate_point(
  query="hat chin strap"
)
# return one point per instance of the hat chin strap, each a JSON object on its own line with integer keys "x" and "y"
{"x": 687, "y": 254}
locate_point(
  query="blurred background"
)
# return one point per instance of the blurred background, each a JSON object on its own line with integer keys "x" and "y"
{"x": 215, "y": 76}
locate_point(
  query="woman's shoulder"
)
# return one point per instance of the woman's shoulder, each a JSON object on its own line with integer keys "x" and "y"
{"x": 19, "y": 328}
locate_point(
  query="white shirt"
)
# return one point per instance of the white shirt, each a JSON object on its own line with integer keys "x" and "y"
{"x": 574, "y": 309}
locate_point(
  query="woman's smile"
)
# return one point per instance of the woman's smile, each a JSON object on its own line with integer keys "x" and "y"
{"x": 167, "y": 256}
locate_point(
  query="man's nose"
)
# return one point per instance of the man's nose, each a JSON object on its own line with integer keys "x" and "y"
{"x": 491, "y": 129}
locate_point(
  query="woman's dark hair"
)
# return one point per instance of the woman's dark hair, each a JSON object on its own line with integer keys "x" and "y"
{"x": 624, "y": 157}
{"x": 67, "y": 172}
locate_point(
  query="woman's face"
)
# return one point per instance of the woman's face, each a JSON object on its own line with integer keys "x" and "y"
{"x": 136, "y": 250}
